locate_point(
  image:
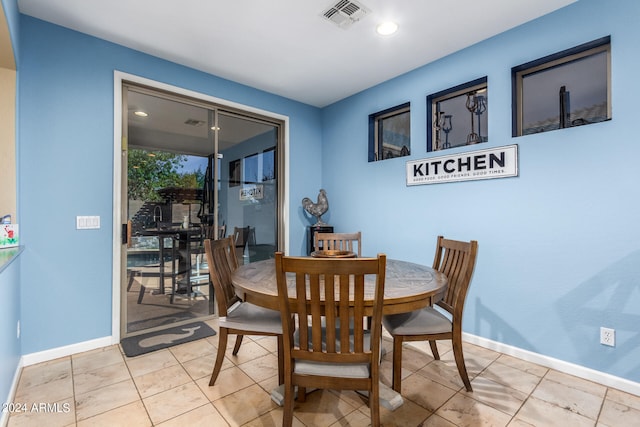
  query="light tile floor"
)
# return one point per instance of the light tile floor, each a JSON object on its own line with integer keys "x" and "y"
{"x": 170, "y": 388}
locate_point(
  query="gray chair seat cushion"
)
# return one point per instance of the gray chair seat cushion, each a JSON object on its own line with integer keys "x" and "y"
{"x": 420, "y": 322}
{"x": 341, "y": 370}
{"x": 250, "y": 317}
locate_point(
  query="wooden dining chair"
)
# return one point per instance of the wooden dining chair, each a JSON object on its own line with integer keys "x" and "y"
{"x": 330, "y": 292}
{"x": 338, "y": 242}
{"x": 236, "y": 316}
{"x": 456, "y": 260}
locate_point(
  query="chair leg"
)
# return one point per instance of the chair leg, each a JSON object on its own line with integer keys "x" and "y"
{"x": 302, "y": 394}
{"x": 434, "y": 349}
{"x": 459, "y": 356}
{"x": 374, "y": 405}
{"x": 141, "y": 293}
{"x": 287, "y": 416}
{"x": 132, "y": 276}
{"x": 236, "y": 347}
{"x": 396, "y": 381}
{"x": 222, "y": 346}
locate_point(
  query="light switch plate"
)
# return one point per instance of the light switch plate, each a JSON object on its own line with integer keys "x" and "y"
{"x": 87, "y": 222}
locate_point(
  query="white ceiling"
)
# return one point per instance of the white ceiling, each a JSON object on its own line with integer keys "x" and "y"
{"x": 286, "y": 47}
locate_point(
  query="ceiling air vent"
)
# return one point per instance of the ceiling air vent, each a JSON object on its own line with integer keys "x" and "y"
{"x": 345, "y": 13}
{"x": 194, "y": 122}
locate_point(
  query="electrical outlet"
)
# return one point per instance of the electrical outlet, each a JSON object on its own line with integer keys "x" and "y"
{"x": 608, "y": 336}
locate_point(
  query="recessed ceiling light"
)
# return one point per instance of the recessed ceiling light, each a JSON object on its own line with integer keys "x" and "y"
{"x": 387, "y": 28}
{"x": 140, "y": 113}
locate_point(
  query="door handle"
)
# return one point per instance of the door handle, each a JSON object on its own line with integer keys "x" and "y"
{"x": 125, "y": 234}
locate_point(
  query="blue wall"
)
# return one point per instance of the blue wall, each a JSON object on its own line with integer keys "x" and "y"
{"x": 66, "y": 163}
{"x": 559, "y": 246}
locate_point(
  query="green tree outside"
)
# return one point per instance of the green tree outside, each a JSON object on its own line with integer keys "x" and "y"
{"x": 150, "y": 171}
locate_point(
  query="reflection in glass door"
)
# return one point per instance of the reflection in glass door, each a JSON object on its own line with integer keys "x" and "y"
{"x": 247, "y": 186}
{"x": 192, "y": 172}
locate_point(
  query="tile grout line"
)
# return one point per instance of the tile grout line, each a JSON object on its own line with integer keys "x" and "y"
{"x": 134, "y": 382}
{"x": 73, "y": 391}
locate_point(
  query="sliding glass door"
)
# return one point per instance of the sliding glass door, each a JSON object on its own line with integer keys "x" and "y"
{"x": 194, "y": 170}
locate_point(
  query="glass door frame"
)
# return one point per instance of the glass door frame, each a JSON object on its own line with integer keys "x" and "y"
{"x": 120, "y": 232}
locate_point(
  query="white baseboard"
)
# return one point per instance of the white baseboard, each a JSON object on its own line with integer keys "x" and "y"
{"x": 54, "y": 353}
{"x": 557, "y": 364}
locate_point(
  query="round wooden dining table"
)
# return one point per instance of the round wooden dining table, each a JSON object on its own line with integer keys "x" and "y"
{"x": 408, "y": 286}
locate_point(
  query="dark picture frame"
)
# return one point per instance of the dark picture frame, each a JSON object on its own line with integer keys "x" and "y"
{"x": 235, "y": 173}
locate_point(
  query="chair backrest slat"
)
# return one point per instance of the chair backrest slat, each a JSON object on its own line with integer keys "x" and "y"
{"x": 330, "y": 313}
{"x": 456, "y": 259}
{"x": 358, "y": 327}
{"x": 301, "y": 308}
{"x": 344, "y": 311}
{"x": 338, "y": 242}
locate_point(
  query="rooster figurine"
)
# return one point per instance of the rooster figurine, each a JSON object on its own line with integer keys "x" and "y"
{"x": 317, "y": 209}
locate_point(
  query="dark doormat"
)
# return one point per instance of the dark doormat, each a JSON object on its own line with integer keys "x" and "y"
{"x": 152, "y": 341}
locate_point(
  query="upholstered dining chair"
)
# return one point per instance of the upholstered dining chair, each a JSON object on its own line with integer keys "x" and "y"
{"x": 330, "y": 292}
{"x": 236, "y": 316}
{"x": 456, "y": 260}
{"x": 339, "y": 242}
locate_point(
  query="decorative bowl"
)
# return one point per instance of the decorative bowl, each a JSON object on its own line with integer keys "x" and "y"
{"x": 333, "y": 254}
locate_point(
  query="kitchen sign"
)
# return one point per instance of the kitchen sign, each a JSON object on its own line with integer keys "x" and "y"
{"x": 252, "y": 192}
{"x": 501, "y": 162}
